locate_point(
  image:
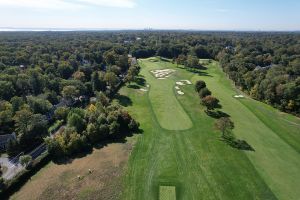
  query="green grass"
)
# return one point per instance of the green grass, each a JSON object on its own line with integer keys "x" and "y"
{"x": 170, "y": 114}
{"x": 196, "y": 161}
{"x": 167, "y": 193}
{"x": 274, "y": 136}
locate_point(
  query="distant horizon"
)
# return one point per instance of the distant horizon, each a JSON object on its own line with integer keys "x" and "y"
{"x": 50, "y": 29}
{"x": 200, "y": 15}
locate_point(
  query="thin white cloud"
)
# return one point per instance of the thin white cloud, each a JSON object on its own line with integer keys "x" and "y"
{"x": 45, "y": 4}
{"x": 66, "y": 4}
{"x": 111, "y": 3}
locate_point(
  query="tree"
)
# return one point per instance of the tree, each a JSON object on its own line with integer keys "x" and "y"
{"x": 13, "y": 148}
{"x": 111, "y": 79}
{"x": 103, "y": 99}
{"x": 76, "y": 121}
{"x": 204, "y": 92}
{"x": 65, "y": 70}
{"x": 61, "y": 113}
{"x": 35, "y": 81}
{"x": 70, "y": 92}
{"x": 200, "y": 85}
{"x": 210, "y": 102}
{"x": 25, "y": 160}
{"x": 39, "y": 105}
{"x": 181, "y": 59}
{"x": 224, "y": 125}
{"x": 192, "y": 62}
{"x": 78, "y": 75}
{"x": 96, "y": 83}
{"x": 110, "y": 57}
{"x": 22, "y": 120}
{"x": 16, "y": 103}
{"x": 7, "y": 90}
{"x": 6, "y": 117}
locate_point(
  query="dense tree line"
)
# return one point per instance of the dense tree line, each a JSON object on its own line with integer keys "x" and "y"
{"x": 39, "y": 71}
{"x": 85, "y": 127}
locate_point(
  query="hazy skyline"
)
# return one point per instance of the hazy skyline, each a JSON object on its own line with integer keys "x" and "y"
{"x": 140, "y": 14}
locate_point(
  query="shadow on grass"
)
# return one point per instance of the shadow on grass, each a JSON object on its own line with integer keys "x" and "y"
{"x": 136, "y": 87}
{"x": 140, "y": 81}
{"x": 89, "y": 149}
{"x": 217, "y": 114}
{"x": 237, "y": 144}
{"x": 124, "y": 100}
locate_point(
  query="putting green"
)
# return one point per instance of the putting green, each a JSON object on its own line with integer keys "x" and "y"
{"x": 169, "y": 112}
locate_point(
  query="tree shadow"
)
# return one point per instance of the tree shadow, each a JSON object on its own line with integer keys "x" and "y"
{"x": 124, "y": 100}
{"x": 140, "y": 81}
{"x": 90, "y": 148}
{"x": 136, "y": 87}
{"x": 217, "y": 114}
{"x": 164, "y": 59}
{"x": 238, "y": 144}
{"x": 199, "y": 71}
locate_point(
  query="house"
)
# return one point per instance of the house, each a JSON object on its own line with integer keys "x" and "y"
{"x": 257, "y": 68}
{"x": 22, "y": 67}
{"x": 4, "y": 140}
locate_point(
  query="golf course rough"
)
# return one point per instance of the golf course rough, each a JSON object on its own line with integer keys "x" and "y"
{"x": 194, "y": 159}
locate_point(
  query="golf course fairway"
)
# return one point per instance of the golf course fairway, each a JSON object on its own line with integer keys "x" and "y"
{"x": 180, "y": 148}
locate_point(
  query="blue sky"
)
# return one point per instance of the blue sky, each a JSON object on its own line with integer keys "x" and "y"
{"x": 164, "y": 14}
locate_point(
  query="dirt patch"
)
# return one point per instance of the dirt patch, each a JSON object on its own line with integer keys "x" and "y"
{"x": 62, "y": 182}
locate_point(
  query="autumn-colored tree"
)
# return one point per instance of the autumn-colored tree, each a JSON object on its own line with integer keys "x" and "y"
{"x": 224, "y": 124}
{"x": 210, "y": 102}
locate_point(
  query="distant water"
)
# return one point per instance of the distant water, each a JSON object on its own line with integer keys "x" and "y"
{"x": 37, "y": 30}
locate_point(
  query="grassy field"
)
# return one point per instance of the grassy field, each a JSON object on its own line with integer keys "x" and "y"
{"x": 193, "y": 158}
{"x": 60, "y": 181}
{"x": 169, "y": 113}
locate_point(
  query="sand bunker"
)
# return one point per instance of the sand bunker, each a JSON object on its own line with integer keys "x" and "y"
{"x": 180, "y": 92}
{"x": 239, "y": 96}
{"x": 144, "y": 90}
{"x": 180, "y": 83}
{"x": 187, "y": 82}
{"x": 162, "y": 73}
{"x": 177, "y": 88}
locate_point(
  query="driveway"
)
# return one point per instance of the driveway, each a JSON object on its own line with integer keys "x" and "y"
{"x": 12, "y": 168}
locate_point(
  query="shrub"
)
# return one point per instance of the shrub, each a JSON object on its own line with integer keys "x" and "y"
{"x": 210, "y": 102}
{"x": 204, "y": 92}
{"x": 25, "y": 160}
{"x": 200, "y": 85}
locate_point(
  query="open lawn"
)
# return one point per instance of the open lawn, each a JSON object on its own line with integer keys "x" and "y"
{"x": 61, "y": 181}
{"x": 191, "y": 156}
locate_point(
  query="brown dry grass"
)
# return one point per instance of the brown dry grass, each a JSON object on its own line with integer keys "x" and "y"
{"x": 60, "y": 181}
